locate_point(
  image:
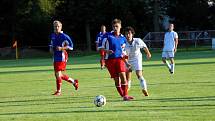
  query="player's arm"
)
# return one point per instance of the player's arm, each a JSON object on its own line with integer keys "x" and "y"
{"x": 97, "y": 42}
{"x": 97, "y": 45}
{"x": 51, "y": 47}
{"x": 67, "y": 44}
{"x": 145, "y": 48}
{"x": 176, "y": 42}
{"x": 102, "y": 45}
{"x": 128, "y": 65}
{"x": 67, "y": 47}
{"x": 163, "y": 41}
{"x": 61, "y": 48}
{"x": 148, "y": 54}
{"x": 107, "y": 51}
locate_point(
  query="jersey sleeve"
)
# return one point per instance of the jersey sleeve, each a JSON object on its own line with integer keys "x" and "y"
{"x": 97, "y": 39}
{"x": 102, "y": 43}
{"x": 51, "y": 42}
{"x": 124, "y": 52}
{"x": 175, "y": 35}
{"x": 141, "y": 43}
{"x": 68, "y": 42}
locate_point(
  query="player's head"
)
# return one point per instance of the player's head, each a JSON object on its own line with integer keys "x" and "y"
{"x": 171, "y": 27}
{"x": 103, "y": 28}
{"x": 57, "y": 26}
{"x": 129, "y": 33}
{"x": 116, "y": 25}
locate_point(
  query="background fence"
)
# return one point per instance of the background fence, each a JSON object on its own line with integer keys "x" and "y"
{"x": 186, "y": 39}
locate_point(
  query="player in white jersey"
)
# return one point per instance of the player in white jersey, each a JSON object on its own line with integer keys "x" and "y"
{"x": 170, "y": 48}
{"x": 133, "y": 46}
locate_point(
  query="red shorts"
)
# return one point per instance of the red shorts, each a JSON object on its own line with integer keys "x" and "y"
{"x": 115, "y": 66}
{"x": 102, "y": 53}
{"x": 59, "y": 66}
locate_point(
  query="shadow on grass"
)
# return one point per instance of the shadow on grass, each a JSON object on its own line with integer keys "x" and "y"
{"x": 66, "y": 112}
{"x": 192, "y": 99}
{"x": 45, "y": 70}
{"x": 179, "y": 83}
{"x": 132, "y": 108}
{"x": 46, "y": 101}
{"x": 92, "y": 68}
{"x": 183, "y": 64}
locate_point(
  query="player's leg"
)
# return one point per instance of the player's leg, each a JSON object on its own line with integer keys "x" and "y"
{"x": 121, "y": 69}
{"x": 139, "y": 68}
{"x": 112, "y": 71}
{"x": 118, "y": 86}
{"x": 58, "y": 66}
{"x": 65, "y": 77}
{"x": 74, "y": 82}
{"x": 164, "y": 59}
{"x": 102, "y": 59}
{"x": 142, "y": 80}
{"x": 58, "y": 82}
{"x": 128, "y": 76}
{"x": 166, "y": 62}
{"x": 129, "y": 73}
{"x": 172, "y": 65}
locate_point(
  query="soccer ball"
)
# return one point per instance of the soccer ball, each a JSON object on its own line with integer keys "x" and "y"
{"x": 100, "y": 100}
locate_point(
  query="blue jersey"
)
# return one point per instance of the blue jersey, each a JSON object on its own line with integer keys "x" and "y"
{"x": 61, "y": 40}
{"x": 116, "y": 44}
{"x": 99, "y": 37}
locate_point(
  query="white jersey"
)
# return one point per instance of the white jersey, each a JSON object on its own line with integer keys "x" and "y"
{"x": 169, "y": 41}
{"x": 134, "y": 53}
{"x": 133, "y": 49}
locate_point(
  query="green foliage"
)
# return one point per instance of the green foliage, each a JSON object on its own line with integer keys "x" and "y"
{"x": 29, "y": 21}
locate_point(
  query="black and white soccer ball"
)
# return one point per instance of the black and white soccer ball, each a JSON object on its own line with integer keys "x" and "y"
{"x": 100, "y": 100}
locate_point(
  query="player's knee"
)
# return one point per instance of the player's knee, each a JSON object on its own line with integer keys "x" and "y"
{"x": 58, "y": 74}
{"x": 139, "y": 75}
{"x": 164, "y": 60}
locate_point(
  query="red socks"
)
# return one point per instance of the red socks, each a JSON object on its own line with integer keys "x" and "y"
{"x": 66, "y": 78}
{"x": 125, "y": 89}
{"x": 58, "y": 83}
{"x": 120, "y": 91}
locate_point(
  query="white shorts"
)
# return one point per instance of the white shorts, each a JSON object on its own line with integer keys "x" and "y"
{"x": 168, "y": 54}
{"x": 136, "y": 64}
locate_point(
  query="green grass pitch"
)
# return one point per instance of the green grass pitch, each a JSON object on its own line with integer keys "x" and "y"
{"x": 26, "y": 86}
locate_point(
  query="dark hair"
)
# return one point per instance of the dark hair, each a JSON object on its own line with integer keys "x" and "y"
{"x": 129, "y": 28}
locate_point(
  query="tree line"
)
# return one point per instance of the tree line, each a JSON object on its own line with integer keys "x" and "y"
{"x": 30, "y": 21}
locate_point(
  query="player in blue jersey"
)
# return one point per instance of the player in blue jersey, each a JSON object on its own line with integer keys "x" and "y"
{"x": 60, "y": 43}
{"x": 113, "y": 44}
{"x": 99, "y": 38}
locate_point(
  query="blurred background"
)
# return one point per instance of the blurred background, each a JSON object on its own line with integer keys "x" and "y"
{"x": 27, "y": 24}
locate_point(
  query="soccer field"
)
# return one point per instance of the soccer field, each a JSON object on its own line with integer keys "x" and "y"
{"x": 26, "y": 86}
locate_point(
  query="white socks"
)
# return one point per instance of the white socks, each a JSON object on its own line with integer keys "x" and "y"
{"x": 172, "y": 67}
{"x": 143, "y": 83}
{"x": 168, "y": 65}
{"x": 72, "y": 80}
{"x": 129, "y": 84}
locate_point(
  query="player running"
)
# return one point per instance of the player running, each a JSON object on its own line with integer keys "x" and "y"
{"x": 98, "y": 41}
{"x": 170, "y": 48}
{"x": 112, "y": 44}
{"x": 60, "y": 42}
{"x": 133, "y": 46}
